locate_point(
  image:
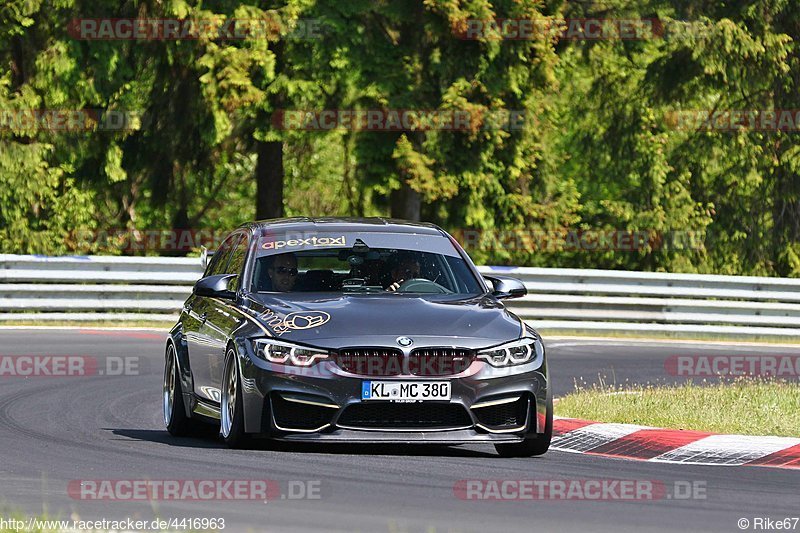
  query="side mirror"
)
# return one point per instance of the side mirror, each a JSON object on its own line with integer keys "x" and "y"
{"x": 505, "y": 287}
{"x": 215, "y": 286}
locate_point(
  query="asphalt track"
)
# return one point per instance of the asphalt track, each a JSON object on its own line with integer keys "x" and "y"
{"x": 54, "y": 430}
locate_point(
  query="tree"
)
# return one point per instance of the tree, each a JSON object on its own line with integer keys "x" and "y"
{"x": 39, "y": 197}
{"x": 408, "y": 56}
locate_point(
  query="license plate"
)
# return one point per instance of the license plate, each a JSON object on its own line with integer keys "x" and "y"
{"x": 405, "y": 390}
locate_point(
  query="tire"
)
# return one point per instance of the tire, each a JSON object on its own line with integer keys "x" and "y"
{"x": 534, "y": 446}
{"x": 231, "y": 410}
{"x": 174, "y": 409}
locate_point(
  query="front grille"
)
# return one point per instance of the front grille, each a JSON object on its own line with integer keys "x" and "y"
{"x": 504, "y": 415}
{"x": 390, "y": 361}
{"x": 371, "y": 361}
{"x": 294, "y": 415}
{"x": 391, "y": 415}
{"x": 440, "y": 361}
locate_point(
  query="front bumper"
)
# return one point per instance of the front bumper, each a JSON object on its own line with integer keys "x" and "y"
{"x": 392, "y": 437}
{"x": 323, "y": 403}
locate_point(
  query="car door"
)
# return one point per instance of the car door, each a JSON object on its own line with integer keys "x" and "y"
{"x": 222, "y": 318}
{"x": 199, "y": 337}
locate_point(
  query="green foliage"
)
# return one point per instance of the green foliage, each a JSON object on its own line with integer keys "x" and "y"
{"x": 39, "y": 200}
{"x": 598, "y": 149}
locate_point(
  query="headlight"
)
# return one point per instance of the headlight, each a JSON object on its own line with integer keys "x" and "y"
{"x": 518, "y": 352}
{"x": 285, "y": 353}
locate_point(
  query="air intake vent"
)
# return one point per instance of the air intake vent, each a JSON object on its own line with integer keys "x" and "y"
{"x": 391, "y": 415}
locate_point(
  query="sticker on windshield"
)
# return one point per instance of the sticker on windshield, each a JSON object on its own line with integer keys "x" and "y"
{"x": 311, "y": 241}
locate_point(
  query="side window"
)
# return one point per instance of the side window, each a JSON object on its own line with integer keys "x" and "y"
{"x": 219, "y": 261}
{"x": 237, "y": 262}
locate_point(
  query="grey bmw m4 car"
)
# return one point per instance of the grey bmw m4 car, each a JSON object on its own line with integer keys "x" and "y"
{"x": 355, "y": 330}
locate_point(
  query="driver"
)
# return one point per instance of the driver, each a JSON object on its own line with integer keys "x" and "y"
{"x": 282, "y": 272}
{"x": 406, "y": 267}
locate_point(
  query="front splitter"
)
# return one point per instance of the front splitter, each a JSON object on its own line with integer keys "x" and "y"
{"x": 465, "y": 436}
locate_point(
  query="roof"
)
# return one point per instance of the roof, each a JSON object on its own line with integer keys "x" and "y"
{"x": 376, "y": 224}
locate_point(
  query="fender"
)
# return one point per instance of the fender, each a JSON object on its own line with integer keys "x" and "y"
{"x": 252, "y": 402}
{"x": 177, "y": 339}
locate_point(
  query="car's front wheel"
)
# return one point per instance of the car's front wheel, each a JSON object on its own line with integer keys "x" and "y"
{"x": 530, "y": 447}
{"x": 175, "y": 419}
{"x": 231, "y": 410}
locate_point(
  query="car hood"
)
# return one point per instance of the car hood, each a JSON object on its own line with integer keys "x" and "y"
{"x": 338, "y": 321}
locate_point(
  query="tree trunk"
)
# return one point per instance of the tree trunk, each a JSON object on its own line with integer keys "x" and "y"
{"x": 406, "y": 203}
{"x": 269, "y": 180}
{"x": 269, "y": 168}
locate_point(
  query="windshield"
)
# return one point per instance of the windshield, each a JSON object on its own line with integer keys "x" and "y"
{"x": 362, "y": 263}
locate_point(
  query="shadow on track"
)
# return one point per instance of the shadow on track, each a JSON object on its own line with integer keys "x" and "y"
{"x": 211, "y": 441}
{"x": 161, "y": 436}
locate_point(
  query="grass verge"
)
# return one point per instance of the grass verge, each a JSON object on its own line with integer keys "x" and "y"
{"x": 742, "y": 406}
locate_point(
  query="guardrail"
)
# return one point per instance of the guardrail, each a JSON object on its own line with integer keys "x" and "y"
{"x": 612, "y": 300}
{"x": 153, "y": 289}
{"x": 109, "y": 288}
